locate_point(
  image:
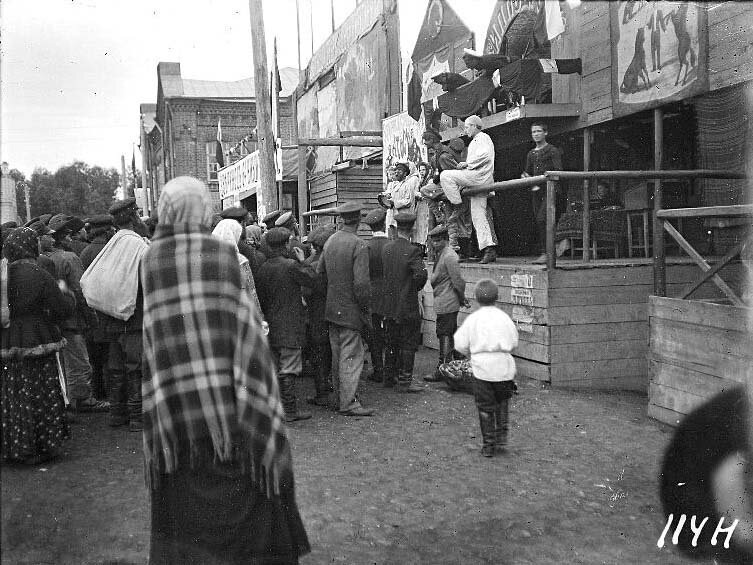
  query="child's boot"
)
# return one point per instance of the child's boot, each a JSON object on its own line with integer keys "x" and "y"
{"x": 486, "y": 421}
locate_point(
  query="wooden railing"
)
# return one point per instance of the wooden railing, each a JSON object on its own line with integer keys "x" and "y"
{"x": 660, "y": 217}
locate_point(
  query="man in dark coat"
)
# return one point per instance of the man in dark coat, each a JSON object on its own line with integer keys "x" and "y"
{"x": 404, "y": 276}
{"x": 100, "y": 230}
{"x": 78, "y": 371}
{"x": 345, "y": 263}
{"x": 376, "y": 221}
{"x": 125, "y": 338}
{"x": 319, "y": 350}
{"x": 279, "y": 290}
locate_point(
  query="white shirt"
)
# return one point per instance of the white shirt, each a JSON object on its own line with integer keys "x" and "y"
{"x": 488, "y": 337}
{"x": 480, "y": 158}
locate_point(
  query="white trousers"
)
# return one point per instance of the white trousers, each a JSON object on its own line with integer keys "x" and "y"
{"x": 452, "y": 182}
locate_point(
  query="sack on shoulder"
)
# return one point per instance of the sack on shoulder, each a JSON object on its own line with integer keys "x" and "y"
{"x": 111, "y": 283}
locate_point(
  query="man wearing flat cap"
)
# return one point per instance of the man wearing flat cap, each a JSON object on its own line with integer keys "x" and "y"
{"x": 345, "y": 264}
{"x": 97, "y": 341}
{"x": 404, "y": 276}
{"x": 78, "y": 371}
{"x": 376, "y": 221}
{"x": 449, "y": 295}
{"x": 476, "y": 170}
{"x": 456, "y": 217}
{"x": 125, "y": 336}
{"x": 402, "y": 196}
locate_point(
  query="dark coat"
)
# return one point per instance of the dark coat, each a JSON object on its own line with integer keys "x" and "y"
{"x": 91, "y": 251}
{"x": 345, "y": 263}
{"x": 316, "y": 303}
{"x": 404, "y": 276}
{"x": 68, "y": 268}
{"x": 279, "y": 290}
{"x": 376, "y": 274}
{"x": 37, "y": 305}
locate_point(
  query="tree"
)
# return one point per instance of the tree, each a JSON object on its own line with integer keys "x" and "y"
{"x": 76, "y": 189}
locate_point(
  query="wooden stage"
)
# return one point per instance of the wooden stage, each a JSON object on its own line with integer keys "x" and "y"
{"x": 582, "y": 324}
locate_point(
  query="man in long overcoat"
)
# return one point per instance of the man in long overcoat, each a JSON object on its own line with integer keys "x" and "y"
{"x": 404, "y": 276}
{"x": 345, "y": 262}
{"x": 376, "y": 221}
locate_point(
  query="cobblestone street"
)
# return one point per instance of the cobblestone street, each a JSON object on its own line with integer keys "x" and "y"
{"x": 578, "y": 485}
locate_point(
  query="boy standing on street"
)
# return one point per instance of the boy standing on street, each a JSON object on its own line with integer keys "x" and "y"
{"x": 488, "y": 337}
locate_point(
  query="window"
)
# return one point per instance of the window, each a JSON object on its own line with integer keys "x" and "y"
{"x": 212, "y": 164}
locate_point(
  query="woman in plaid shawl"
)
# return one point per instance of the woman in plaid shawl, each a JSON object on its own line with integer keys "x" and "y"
{"x": 217, "y": 459}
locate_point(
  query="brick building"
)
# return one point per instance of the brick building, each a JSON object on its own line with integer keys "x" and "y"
{"x": 179, "y": 132}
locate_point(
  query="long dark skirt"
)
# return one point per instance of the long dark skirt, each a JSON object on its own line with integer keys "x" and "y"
{"x": 216, "y": 516}
{"x": 33, "y": 411}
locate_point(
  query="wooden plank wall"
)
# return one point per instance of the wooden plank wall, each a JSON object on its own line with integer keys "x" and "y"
{"x": 697, "y": 349}
{"x": 596, "y": 55}
{"x": 357, "y": 184}
{"x": 730, "y": 26}
{"x": 323, "y": 191}
{"x": 579, "y": 328}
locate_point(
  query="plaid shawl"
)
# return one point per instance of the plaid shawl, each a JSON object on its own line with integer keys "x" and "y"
{"x": 211, "y": 394}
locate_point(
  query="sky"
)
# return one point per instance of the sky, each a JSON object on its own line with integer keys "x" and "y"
{"x": 73, "y": 72}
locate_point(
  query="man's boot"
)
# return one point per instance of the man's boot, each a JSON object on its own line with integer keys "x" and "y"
{"x": 405, "y": 378}
{"x": 118, "y": 397}
{"x": 486, "y": 421}
{"x": 391, "y": 366}
{"x": 464, "y": 249}
{"x": 322, "y": 356}
{"x": 436, "y": 377}
{"x": 135, "y": 418}
{"x": 376, "y": 347}
{"x": 490, "y": 255}
{"x": 501, "y": 425}
{"x": 289, "y": 400}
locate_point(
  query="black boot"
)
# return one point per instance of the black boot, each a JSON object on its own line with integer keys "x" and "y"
{"x": 391, "y": 366}
{"x": 135, "y": 418}
{"x": 436, "y": 376}
{"x": 486, "y": 421}
{"x": 501, "y": 425}
{"x": 405, "y": 378}
{"x": 322, "y": 355}
{"x": 464, "y": 252}
{"x": 289, "y": 400}
{"x": 490, "y": 255}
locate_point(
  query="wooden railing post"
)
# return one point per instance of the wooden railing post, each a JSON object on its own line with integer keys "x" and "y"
{"x": 586, "y": 197}
{"x": 660, "y": 260}
{"x": 551, "y": 255}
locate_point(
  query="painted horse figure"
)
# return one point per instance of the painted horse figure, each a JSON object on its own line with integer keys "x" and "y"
{"x": 637, "y": 70}
{"x": 679, "y": 20}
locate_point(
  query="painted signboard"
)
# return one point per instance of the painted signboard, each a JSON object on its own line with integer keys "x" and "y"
{"x": 401, "y": 140}
{"x": 240, "y": 179}
{"x": 658, "y": 53}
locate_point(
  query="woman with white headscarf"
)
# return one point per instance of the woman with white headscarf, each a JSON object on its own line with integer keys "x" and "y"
{"x": 231, "y": 231}
{"x": 217, "y": 459}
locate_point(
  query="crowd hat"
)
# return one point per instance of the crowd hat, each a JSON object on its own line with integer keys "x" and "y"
{"x": 39, "y": 227}
{"x": 439, "y": 231}
{"x": 405, "y": 220}
{"x": 100, "y": 220}
{"x": 45, "y": 218}
{"x": 375, "y": 217}
{"x": 64, "y": 223}
{"x": 286, "y": 219}
{"x": 9, "y": 225}
{"x": 238, "y": 213}
{"x": 277, "y": 237}
{"x": 321, "y": 234}
{"x": 270, "y": 219}
{"x": 349, "y": 209}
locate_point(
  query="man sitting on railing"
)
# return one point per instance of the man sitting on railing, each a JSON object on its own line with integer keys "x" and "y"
{"x": 478, "y": 169}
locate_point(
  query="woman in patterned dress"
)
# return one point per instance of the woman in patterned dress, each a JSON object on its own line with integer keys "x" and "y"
{"x": 33, "y": 409}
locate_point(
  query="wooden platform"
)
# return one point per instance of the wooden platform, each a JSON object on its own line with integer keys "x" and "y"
{"x": 697, "y": 349}
{"x": 581, "y": 325}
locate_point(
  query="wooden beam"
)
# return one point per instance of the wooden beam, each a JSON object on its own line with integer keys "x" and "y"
{"x": 731, "y": 254}
{"x": 321, "y": 212}
{"x": 586, "y": 197}
{"x": 655, "y": 174}
{"x": 340, "y": 142}
{"x": 551, "y": 255}
{"x": 361, "y": 133}
{"x": 728, "y": 292}
{"x": 505, "y": 185}
{"x": 707, "y": 211}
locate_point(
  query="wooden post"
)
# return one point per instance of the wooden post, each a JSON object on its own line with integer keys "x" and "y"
{"x": 551, "y": 255}
{"x": 267, "y": 194}
{"x": 303, "y": 192}
{"x": 660, "y": 263}
{"x": 586, "y": 197}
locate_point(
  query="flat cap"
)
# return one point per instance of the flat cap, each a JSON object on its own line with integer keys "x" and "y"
{"x": 234, "y": 213}
{"x": 271, "y": 218}
{"x": 321, "y": 234}
{"x": 277, "y": 237}
{"x": 285, "y": 218}
{"x": 63, "y": 222}
{"x": 349, "y": 209}
{"x": 375, "y": 217}
{"x": 10, "y": 224}
{"x": 100, "y": 220}
{"x": 39, "y": 227}
{"x": 45, "y": 218}
{"x": 440, "y": 230}
{"x": 120, "y": 207}
{"x": 405, "y": 219}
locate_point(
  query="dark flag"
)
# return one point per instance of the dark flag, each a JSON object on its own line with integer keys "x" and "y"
{"x": 219, "y": 155}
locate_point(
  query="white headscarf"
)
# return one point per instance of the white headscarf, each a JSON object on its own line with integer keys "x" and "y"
{"x": 230, "y": 231}
{"x": 185, "y": 200}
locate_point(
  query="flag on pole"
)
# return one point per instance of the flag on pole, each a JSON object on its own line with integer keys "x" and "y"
{"x": 219, "y": 154}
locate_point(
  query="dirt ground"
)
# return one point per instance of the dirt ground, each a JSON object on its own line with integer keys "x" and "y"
{"x": 578, "y": 485}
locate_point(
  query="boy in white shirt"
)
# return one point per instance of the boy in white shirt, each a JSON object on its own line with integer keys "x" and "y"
{"x": 488, "y": 337}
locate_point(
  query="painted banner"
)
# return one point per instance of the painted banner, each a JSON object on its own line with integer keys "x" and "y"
{"x": 401, "y": 140}
{"x": 658, "y": 53}
{"x": 239, "y": 178}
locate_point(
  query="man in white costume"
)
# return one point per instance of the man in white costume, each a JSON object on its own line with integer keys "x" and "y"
{"x": 476, "y": 170}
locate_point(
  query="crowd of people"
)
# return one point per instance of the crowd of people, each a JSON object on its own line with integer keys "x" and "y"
{"x": 192, "y": 328}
